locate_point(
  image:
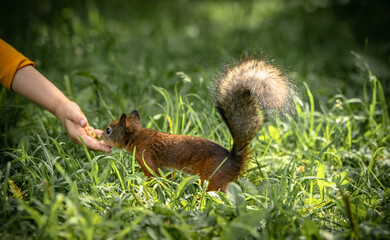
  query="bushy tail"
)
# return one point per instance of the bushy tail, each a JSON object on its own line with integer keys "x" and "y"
{"x": 247, "y": 91}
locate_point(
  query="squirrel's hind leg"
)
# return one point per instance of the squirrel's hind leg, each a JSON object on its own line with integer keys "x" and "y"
{"x": 217, "y": 186}
{"x": 148, "y": 166}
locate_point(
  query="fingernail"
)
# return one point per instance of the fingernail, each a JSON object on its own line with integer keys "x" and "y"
{"x": 82, "y": 122}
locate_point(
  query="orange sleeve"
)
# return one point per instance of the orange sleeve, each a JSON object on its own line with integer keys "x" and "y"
{"x": 10, "y": 62}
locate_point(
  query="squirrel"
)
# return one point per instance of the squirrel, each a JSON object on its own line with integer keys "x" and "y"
{"x": 244, "y": 94}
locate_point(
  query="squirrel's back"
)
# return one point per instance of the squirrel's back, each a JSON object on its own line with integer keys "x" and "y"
{"x": 246, "y": 93}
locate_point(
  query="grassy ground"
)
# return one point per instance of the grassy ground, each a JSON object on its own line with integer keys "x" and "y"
{"x": 323, "y": 174}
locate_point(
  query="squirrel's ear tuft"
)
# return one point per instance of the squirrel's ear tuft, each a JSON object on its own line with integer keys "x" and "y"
{"x": 122, "y": 121}
{"x": 134, "y": 114}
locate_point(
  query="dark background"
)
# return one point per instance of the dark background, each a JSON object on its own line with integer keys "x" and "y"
{"x": 321, "y": 34}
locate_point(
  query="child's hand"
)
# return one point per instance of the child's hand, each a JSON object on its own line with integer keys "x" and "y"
{"x": 33, "y": 85}
{"x": 76, "y": 124}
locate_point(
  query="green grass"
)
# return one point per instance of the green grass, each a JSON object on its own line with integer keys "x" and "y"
{"x": 321, "y": 174}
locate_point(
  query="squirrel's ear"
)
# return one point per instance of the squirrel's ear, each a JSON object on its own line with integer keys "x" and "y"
{"x": 122, "y": 121}
{"x": 134, "y": 114}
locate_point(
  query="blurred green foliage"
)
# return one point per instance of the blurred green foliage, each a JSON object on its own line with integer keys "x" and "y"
{"x": 304, "y": 36}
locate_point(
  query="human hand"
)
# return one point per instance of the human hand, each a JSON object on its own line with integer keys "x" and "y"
{"x": 33, "y": 85}
{"x": 76, "y": 124}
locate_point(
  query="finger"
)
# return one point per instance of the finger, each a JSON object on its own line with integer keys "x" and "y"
{"x": 94, "y": 145}
{"x": 106, "y": 148}
{"x": 97, "y": 132}
{"x": 77, "y": 116}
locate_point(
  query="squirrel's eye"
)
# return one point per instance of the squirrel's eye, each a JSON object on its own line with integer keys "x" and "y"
{"x": 108, "y": 131}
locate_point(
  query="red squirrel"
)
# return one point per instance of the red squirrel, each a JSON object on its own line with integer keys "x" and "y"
{"x": 243, "y": 94}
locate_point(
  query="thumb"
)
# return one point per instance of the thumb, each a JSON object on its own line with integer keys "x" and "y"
{"x": 77, "y": 116}
{"x": 80, "y": 119}
{"x": 83, "y": 122}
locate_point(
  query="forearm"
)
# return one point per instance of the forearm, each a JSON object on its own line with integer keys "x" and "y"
{"x": 31, "y": 84}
